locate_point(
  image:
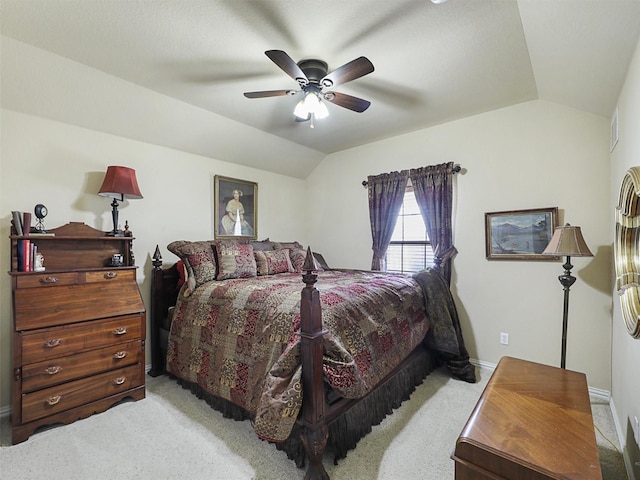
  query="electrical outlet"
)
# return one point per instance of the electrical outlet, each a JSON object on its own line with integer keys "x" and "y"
{"x": 504, "y": 338}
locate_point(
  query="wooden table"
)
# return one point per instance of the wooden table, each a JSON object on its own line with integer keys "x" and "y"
{"x": 532, "y": 421}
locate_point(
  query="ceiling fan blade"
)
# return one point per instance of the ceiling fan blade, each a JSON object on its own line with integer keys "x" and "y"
{"x": 347, "y": 101}
{"x": 269, "y": 93}
{"x": 357, "y": 68}
{"x": 290, "y": 67}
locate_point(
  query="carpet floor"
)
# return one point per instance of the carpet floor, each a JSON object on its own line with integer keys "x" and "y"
{"x": 171, "y": 434}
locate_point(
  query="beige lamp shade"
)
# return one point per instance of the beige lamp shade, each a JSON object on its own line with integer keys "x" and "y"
{"x": 568, "y": 241}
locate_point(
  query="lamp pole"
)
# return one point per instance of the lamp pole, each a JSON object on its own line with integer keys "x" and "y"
{"x": 567, "y": 241}
{"x": 114, "y": 216}
{"x": 566, "y": 280}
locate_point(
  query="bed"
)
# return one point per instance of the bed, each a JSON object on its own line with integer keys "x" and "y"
{"x": 313, "y": 356}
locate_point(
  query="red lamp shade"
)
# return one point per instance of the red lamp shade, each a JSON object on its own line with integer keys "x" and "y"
{"x": 120, "y": 182}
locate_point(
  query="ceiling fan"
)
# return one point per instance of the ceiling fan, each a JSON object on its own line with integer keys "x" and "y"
{"x": 312, "y": 76}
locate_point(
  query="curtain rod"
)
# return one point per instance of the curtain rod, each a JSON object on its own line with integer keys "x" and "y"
{"x": 455, "y": 169}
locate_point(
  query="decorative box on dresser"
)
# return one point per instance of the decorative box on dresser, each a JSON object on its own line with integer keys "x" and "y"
{"x": 78, "y": 328}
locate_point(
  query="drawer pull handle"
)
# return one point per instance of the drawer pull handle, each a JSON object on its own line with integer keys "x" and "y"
{"x": 119, "y": 355}
{"x": 110, "y": 275}
{"x": 54, "y": 400}
{"x": 49, "y": 280}
{"x": 120, "y": 331}
{"x": 53, "y": 342}
{"x": 52, "y": 370}
{"x": 120, "y": 380}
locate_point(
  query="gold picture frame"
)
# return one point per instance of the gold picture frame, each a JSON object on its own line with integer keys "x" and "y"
{"x": 520, "y": 234}
{"x": 235, "y": 208}
{"x": 625, "y": 250}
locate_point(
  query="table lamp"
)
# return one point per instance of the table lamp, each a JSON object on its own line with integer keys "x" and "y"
{"x": 118, "y": 182}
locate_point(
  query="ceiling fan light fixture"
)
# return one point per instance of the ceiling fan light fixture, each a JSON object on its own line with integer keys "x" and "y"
{"x": 311, "y": 105}
{"x": 318, "y": 107}
{"x": 301, "y": 111}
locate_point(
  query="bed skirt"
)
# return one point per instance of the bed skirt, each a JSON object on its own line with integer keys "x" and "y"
{"x": 347, "y": 429}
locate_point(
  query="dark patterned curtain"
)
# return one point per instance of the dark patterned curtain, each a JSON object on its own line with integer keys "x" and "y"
{"x": 433, "y": 187}
{"x": 386, "y": 193}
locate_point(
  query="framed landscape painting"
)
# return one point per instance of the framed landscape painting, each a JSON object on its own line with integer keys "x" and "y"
{"x": 235, "y": 208}
{"x": 520, "y": 234}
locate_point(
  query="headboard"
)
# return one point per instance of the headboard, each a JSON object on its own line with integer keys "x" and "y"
{"x": 165, "y": 284}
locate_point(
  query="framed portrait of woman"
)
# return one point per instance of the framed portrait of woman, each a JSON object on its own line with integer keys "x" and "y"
{"x": 235, "y": 208}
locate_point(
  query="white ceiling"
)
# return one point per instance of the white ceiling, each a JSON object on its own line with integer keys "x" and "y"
{"x": 433, "y": 63}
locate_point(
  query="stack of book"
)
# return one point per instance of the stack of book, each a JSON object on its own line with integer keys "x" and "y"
{"x": 21, "y": 222}
{"x": 26, "y": 255}
{"x": 27, "y": 250}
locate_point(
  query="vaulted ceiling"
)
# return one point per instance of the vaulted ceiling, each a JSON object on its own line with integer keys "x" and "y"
{"x": 433, "y": 63}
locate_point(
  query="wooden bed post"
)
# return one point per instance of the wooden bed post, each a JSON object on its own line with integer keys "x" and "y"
{"x": 314, "y": 429}
{"x": 157, "y": 364}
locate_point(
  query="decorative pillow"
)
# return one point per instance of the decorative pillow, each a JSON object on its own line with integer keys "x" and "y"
{"x": 262, "y": 245}
{"x": 321, "y": 261}
{"x": 271, "y": 262}
{"x": 297, "y": 258}
{"x": 182, "y": 273}
{"x": 183, "y": 276}
{"x": 235, "y": 260}
{"x": 173, "y": 246}
{"x": 289, "y": 245}
{"x": 199, "y": 259}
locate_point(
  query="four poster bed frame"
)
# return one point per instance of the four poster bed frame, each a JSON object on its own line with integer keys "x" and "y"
{"x": 322, "y": 419}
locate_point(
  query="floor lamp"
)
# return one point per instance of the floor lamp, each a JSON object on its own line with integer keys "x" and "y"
{"x": 567, "y": 241}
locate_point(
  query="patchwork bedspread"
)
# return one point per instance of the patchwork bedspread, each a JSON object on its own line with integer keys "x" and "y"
{"x": 238, "y": 338}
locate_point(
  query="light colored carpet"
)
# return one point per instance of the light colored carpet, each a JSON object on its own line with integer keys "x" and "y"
{"x": 172, "y": 434}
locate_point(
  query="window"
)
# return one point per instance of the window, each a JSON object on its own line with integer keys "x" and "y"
{"x": 409, "y": 250}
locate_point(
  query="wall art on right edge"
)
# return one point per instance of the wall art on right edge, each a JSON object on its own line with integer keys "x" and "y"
{"x": 625, "y": 251}
{"x": 520, "y": 234}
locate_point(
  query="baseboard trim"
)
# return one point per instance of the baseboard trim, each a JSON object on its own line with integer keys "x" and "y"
{"x": 628, "y": 464}
{"x": 5, "y": 412}
{"x": 604, "y": 395}
{"x": 483, "y": 364}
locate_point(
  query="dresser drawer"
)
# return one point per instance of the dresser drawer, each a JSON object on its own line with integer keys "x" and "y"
{"x": 48, "y": 343}
{"x": 74, "y": 278}
{"x": 48, "y": 280}
{"x": 68, "y": 395}
{"x": 47, "y": 307}
{"x": 110, "y": 276}
{"x": 58, "y": 370}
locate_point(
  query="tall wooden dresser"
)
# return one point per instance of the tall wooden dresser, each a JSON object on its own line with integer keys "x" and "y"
{"x": 78, "y": 328}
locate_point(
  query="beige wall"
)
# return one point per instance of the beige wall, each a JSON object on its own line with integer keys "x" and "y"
{"x": 63, "y": 166}
{"x": 626, "y": 350}
{"x": 536, "y": 154}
